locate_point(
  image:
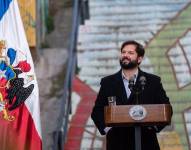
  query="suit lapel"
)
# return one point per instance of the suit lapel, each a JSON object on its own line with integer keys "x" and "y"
{"x": 121, "y": 92}
{"x": 132, "y": 97}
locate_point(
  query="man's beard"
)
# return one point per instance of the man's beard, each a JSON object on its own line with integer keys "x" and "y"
{"x": 131, "y": 65}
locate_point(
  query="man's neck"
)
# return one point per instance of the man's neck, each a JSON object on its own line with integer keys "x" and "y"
{"x": 130, "y": 72}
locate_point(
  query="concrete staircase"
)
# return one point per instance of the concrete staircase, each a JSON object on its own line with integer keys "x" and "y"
{"x": 113, "y": 22}
{"x": 163, "y": 27}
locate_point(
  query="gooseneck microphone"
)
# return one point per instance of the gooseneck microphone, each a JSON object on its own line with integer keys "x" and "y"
{"x": 142, "y": 81}
{"x": 131, "y": 83}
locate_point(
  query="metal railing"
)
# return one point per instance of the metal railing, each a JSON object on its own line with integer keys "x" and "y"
{"x": 80, "y": 13}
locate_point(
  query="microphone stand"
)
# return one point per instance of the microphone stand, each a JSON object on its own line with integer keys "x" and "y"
{"x": 137, "y": 91}
{"x": 137, "y": 127}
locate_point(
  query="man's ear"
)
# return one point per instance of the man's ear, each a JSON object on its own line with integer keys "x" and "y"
{"x": 140, "y": 59}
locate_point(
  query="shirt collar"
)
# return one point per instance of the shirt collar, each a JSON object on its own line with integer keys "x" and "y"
{"x": 125, "y": 78}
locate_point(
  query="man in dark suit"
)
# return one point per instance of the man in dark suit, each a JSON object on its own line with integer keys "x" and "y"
{"x": 117, "y": 85}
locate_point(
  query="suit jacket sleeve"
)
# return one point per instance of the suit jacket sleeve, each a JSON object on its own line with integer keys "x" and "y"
{"x": 161, "y": 98}
{"x": 161, "y": 94}
{"x": 98, "y": 109}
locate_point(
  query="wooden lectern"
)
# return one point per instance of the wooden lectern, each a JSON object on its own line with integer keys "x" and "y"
{"x": 128, "y": 115}
{"x": 137, "y": 116}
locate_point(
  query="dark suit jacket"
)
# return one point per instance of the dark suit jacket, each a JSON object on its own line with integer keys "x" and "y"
{"x": 122, "y": 138}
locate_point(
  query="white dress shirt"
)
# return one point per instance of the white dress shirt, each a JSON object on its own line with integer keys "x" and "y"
{"x": 126, "y": 82}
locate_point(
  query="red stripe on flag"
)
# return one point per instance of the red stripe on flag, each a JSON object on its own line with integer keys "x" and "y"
{"x": 21, "y": 133}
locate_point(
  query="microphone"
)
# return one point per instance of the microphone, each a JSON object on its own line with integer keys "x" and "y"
{"x": 142, "y": 82}
{"x": 131, "y": 83}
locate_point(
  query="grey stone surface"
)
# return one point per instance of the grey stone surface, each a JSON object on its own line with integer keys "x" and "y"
{"x": 62, "y": 23}
{"x": 50, "y": 70}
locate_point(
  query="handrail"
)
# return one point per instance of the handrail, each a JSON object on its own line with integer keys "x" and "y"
{"x": 80, "y": 13}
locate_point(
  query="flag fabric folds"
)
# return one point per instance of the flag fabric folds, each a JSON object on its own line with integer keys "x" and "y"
{"x": 20, "y": 127}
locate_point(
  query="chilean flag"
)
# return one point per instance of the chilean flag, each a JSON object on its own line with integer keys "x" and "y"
{"x": 20, "y": 127}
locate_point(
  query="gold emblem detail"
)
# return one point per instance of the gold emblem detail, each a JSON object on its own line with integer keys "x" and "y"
{"x": 6, "y": 116}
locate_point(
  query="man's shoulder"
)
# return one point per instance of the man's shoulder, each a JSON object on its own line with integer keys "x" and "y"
{"x": 151, "y": 76}
{"x": 111, "y": 77}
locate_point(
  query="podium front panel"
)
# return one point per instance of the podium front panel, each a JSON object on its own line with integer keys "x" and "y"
{"x": 120, "y": 115}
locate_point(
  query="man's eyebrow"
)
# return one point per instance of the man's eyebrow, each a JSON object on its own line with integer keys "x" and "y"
{"x": 129, "y": 50}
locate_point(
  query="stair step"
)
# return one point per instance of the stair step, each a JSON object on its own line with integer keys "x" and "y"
{"x": 98, "y": 63}
{"x": 99, "y": 55}
{"x": 136, "y": 9}
{"x": 134, "y": 16}
{"x": 115, "y": 37}
{"x": 88, "y": 29}
{"x": 89, "y": 71}
{"x": 125, "y": 23}
{"x": 100, "y": 3}
{"x": 85, "y": 39}
{"x": 99, "y": 45}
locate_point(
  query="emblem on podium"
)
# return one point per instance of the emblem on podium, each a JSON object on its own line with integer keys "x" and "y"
{"x": 137, "y": 112}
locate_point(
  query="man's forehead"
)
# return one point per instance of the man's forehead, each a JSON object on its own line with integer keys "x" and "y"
{"x": 131, "y": 47}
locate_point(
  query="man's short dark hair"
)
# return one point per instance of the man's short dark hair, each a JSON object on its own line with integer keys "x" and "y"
{"x": 139, "y": 48}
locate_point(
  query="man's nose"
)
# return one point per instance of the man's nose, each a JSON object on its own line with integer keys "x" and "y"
{"x": 126, "y": 55}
